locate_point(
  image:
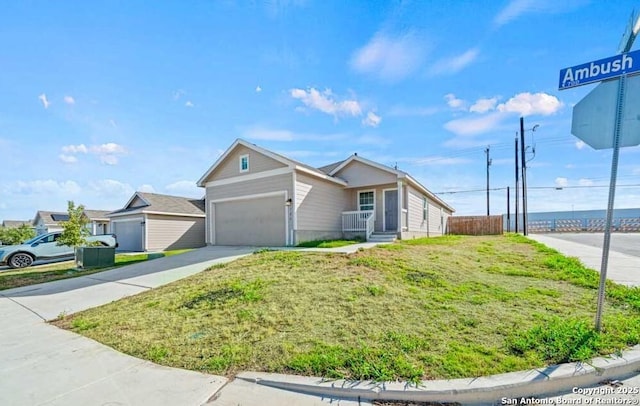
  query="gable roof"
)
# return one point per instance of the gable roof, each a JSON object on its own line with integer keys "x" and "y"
{"x": 162, "y": 204}
{"x": 15, "y": 223}
{"x": 51, "y": 218}
{"x": 365, "y": 161}
{"x": 291, "y": 163}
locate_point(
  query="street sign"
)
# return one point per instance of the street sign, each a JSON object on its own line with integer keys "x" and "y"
{"x": 594, "y": 117}
{"x": 596, "y": 71}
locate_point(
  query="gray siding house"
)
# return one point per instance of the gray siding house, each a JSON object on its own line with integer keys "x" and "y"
{"x": 155, "y": 222}
{"x": 257, "y": 197}
{"x": 49, "y": 221}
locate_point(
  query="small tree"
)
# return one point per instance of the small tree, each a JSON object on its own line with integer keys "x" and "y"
{"x": 16, "y": 235}
{"x": 74, "y": 230}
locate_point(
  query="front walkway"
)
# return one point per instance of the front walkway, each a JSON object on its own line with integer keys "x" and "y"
{"x": 43, "y": 365}
{"x": 622, "y": 268}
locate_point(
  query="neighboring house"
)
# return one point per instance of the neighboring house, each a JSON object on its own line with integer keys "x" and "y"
{"x": 155, "y": 222}
{"x": 48, "y": 221}
{"x": 16, "y": 223}
{"x": 257, "y": 197}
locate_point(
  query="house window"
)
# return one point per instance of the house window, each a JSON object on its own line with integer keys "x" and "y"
{"x": 244, "y": 163}
{"x": 366, "y": 200}
{"x": 425, "y": 209}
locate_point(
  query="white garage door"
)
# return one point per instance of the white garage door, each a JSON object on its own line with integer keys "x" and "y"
{"x": 257, "y": 222}
{"x": 129, "y": 234}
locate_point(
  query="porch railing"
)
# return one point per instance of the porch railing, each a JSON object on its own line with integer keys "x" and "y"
{"x": 358, "y": 221}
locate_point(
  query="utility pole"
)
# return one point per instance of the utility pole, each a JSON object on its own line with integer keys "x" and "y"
{"x": 524, "y": 178}
{"x": 508, "y": 211}
{"x": 486, "y": 151}
{"x": 517, "y": 183}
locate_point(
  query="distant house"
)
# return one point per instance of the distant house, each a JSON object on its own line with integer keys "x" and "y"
{"x": 48, "y": 221}
{"x": 155, "y": 222}
{"x": 16, "y": 223}
{"x": 258, "y": 197}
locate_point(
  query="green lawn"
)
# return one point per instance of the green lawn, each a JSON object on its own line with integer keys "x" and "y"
{"x": 15, "y": 278}
{"x": 444, "y": 307}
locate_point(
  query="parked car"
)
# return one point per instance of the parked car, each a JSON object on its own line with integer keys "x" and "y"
{"x": 46, "y": 247}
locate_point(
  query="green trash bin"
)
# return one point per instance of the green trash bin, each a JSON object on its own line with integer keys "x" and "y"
{"x": 95, "y": 257}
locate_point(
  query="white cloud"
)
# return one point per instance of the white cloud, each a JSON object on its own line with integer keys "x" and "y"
{"x": 69, "y": 100}
{"x": 68, "y": 159}
{"x": 527, "y": 104}
{"x": 47, "y": 187}
{"x": 326, "y": 102}
{"x": 188, "y": 103}
{"x": 73, "y": 149}
{"x": 474, "y": 125}
{"x": 109, "y": 159}
{"x": 146, "y": 188}
{"x": 43, "y": 99}
{"x": 185, "y": 188}
{"x": 111, "y": 188}
{"x": 585, "y": 182}
{"x": 580, "y": 144}
{"x": 484, "y": 105}
{"x": 390, "y": 58}
{"x": 372, "y": 120}
{"x": 518, "y": 8}
{"x": 108, "y": 153}
{"x": 513, "y": 10}
{"x": 108, "y": 148}
{"x": 456, "y": 63}
{"x": 258, "y": 89}
{"x": 561, "y": 182}
{"x": 454, "y": 102}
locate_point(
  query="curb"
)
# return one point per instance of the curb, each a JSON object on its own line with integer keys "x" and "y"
{"x": 547, "y": 381}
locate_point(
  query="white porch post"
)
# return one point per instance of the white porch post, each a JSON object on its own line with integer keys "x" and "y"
{"x": 399, "y": 206}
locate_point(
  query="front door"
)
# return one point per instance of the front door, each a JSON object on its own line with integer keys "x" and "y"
{"x": 390, "y": 210}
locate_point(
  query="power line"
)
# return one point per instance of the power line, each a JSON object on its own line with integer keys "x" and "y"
{"x": 451, "y": 192}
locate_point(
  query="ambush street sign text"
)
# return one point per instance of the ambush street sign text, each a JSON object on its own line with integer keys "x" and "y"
{"x": 599, "y": 70}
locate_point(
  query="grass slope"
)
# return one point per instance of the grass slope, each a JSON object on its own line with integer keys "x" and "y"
{"x": 445, "y": 307}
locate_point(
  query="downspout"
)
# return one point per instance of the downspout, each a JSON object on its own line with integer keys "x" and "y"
{"x": 399, "y": 227}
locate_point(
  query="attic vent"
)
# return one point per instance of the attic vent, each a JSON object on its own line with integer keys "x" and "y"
{"x": 60, "y": 217}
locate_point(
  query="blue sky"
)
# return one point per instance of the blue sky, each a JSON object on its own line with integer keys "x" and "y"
{"x": 100, "y": 99}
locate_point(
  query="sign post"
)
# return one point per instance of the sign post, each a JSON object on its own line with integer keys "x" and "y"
{"x": 595, "y": 109}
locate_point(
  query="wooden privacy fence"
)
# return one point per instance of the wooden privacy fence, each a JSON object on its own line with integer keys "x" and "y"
{"x": 475, "y": 225}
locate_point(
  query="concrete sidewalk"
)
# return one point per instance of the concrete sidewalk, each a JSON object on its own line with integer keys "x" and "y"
{"x": 622, "y": 268}
{"x": 43, "y": 365}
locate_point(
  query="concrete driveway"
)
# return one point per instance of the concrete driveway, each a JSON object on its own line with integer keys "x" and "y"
{"x": 43, "y": 365}
{"x": 624, "y": 254}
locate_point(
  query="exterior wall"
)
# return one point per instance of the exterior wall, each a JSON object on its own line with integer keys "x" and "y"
{"x": 174, "y": 232}
{"x": 358, "y": 174}
{"x": 433, "y": 225}
{"x": 230, "y": 167}
{"x": 318, "y": 206}
{"x": 246, "y": 188}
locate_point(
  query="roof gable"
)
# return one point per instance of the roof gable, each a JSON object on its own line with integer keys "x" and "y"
{"x": 162, "y": 204}
{"x": 242, "y": 146}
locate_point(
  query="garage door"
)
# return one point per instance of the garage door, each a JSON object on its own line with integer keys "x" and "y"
{"x": 257, "y": 222}
{"x": 129, "y": 235}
